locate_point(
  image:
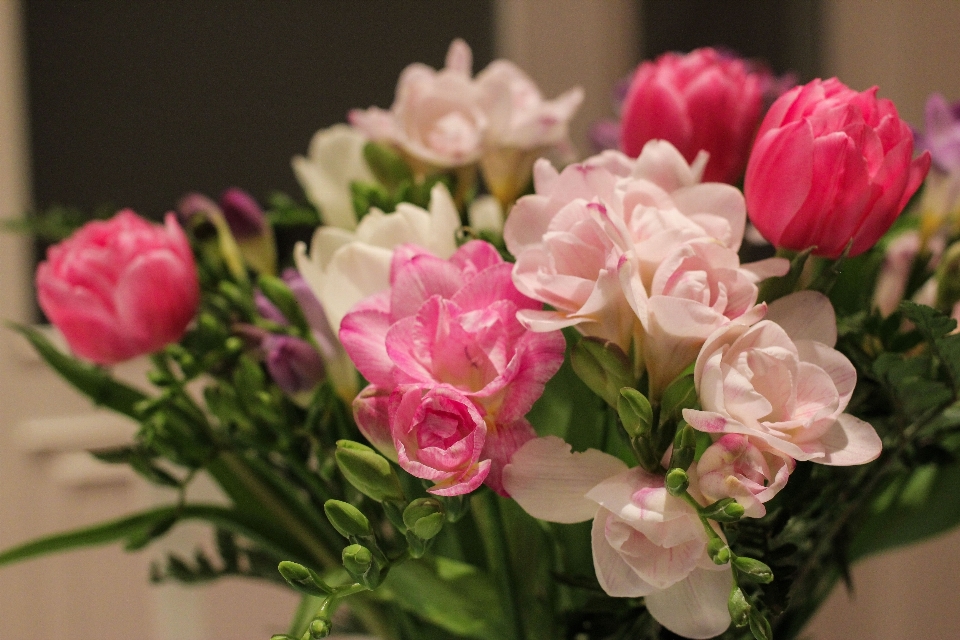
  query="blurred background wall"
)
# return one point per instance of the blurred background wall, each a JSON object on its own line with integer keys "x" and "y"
{"x": 135, "y": 103}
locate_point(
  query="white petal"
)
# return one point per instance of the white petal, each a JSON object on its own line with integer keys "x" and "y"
{"x": 850, "y": 441}
{"x": 695, "y": 607}
{"x": 616, "y": 577}
{"x": 805, "y": 315}
{"x": 550, "y": 483}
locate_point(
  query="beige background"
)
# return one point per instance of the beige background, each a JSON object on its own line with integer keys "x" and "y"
{"x": 907, "y": 47}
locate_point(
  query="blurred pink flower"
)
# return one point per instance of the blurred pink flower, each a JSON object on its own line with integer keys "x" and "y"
{"x": 830, "y": 166}
{"x": 452, "y": 323}
{"x": 781, "y": 383}
{"x": 703, "y": 100}
{"x": 941, "y": 134}
{"x": 646, "y": 543}
{"x": 120, "y": 288}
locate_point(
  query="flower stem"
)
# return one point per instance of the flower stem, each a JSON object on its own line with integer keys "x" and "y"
{"x": 487, "y": 515}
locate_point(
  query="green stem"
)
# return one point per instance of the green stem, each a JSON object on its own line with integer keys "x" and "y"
{"x": 487, "y": 515}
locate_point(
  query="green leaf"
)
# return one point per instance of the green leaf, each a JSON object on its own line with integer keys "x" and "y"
{"x": 90, "y": 380}
{"x": 100, "y": 534}
{"x": 452, "y": 595}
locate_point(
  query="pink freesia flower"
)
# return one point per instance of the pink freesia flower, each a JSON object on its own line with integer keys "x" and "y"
{"x": 699, "y": 288}
{"x": 120, "y": 288}
{"x": 570, "y": 236}
{"x": 646, "y": 543}
{"x": 782, "y": 384}
{"x": 439, "y": 435}
{"x": 703, "y": 100}
{"x": 436, "y": 117}
{"x": 831, "y": 166}
{"x": 452, "y": 323}
{"x": 522, "y": 126}
{"x": 734, "y": 467}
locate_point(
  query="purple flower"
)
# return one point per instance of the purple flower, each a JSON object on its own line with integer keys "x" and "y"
{"x": 941, "y": 135}
{"x": 242, "y": 213}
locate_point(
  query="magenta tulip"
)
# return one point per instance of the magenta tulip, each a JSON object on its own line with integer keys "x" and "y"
{"x": 703, "y": 100}
{"x": 831, "y": 166}
{"x": 120, "y": 288}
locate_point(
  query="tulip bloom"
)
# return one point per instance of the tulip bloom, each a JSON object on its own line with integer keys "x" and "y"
{"x": 703, "y": 100}
{"x": 831, "y": 166}
{"x": 120, "y": 288}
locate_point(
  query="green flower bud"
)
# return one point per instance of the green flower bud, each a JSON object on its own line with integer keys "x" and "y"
{"x": 684, "y": 447}
{"x": 760, "y": 626}
{"x": 679, "y": 395}
{"x": 676, "y": 482}
{"x": 718, "y": 551}
{"x": 359, "y": 563}
{"x": 368, "y": 471}
{"x": 753, "y": 570}
{"x": 303, "y": 579}
{"x": 726, "y": 510}
{"x": 320, "y": 628}
{"x": 277, "y": 292}
{"x": 635, "y": 412}
{"x": 603, "y": 366}
{"x": 424, "y": 517}
{"x": 739, "y": 608}
{"x": 347, "y": 519}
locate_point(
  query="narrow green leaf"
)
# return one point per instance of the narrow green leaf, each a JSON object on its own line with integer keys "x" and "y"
{"x": 90, "y": 380}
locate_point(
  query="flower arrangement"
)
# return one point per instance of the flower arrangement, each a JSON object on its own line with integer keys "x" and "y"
{"x": 563, "y": 409}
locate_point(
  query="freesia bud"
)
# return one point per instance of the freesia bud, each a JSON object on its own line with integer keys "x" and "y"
{"x": 831, "y": 167}
{"x": 726, "y": 510}
{"x": 635, "y": 412}
{"x": 718, "y": 551}
{"x": 386, "y": 164}
{"x": 603, "y": 366}
{"x": 368, "y": 471}
{"x": 676, "y": 482}
{"x": 684, "y": 447}
{"x": 347, "y": 519}
{"x": 424, "y": 517}
{"x": 753, "y": 570}
{"x": 293, "y": 363}
{"x": 739, "y": 608}
{"x": 359, "y": 563}
{"x": 243, "y": 214}
{"x": 320, "y": 628}
{"x": 303, "y": 579}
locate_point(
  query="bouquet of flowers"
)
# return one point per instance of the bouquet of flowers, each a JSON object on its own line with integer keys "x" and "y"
{"x": 500, "y": 397}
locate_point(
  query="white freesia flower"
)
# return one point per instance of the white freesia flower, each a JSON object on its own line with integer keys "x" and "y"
{"x": 344, "y": 267}
{"x": 334, "y": 160}
{"x": 646, "y": 543}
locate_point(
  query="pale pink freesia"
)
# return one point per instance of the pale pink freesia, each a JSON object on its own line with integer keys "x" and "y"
{"x": 781, "y": 383}
{"x": 734, "y": 467}
{"x": 895, "y": 271}
{"x": 696, "y": 290}
{"x": 436, "y": 118}
{"x": 439, "y": 435}
{"x": 522, "y": 126}
{"x": 831, "y": 167}
{"x": 120, "y": 288}
{"x": 646, "y": 543}
{"x": 452, "y": 323}
{"x": 570, "y": 236}
{"x": 702, "y": 100}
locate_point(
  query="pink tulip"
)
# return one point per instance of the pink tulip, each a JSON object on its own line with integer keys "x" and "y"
{"x": 120, "y": 288}
{"x": 831, "y": 166}
{"x": 452, "y": 324}
{"x": 703, "y": 100}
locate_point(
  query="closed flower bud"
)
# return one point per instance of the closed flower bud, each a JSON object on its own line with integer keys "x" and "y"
{"x": 368, "y": 471}
{"x": 244, "y": 216}
{"x": 635, "y": 412}
{"x": 359, "y": 563}
{"x": 676, "y": 482}
{"x": 753, "y": 570}
{"x": 603, "y": 366}
{"x": 739, "y": 608}
{"x": 718, "y": 551}
{"x": 726, "y": 510}
{"x": 424, "y": 517}
{"x": 320, "y": 628}
{"x": 347, "y": 519}
{"x": 293, "y": 363}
